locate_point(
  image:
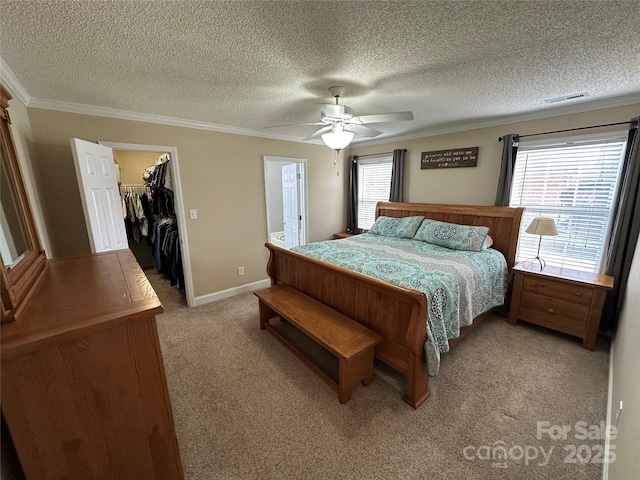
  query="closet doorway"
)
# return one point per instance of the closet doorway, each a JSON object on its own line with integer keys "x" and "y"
{"x": 152, "y": 171}
{"x": 286, "y": 200}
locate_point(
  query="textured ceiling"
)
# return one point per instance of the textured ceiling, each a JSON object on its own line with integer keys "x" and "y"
{"x": 251, "y": 64}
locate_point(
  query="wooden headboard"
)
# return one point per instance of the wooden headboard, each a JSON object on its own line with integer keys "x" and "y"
{"x": 503, "y": 222}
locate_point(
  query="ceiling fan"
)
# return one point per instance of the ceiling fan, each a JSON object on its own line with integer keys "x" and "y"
{"x": 340, "y": 124}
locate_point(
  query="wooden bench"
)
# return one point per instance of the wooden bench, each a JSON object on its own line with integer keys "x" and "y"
{"x": 349, "y": 341}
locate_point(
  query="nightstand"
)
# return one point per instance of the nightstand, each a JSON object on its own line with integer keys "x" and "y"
{"x": 565, "y": 300}
{"x": 342, "y": 235}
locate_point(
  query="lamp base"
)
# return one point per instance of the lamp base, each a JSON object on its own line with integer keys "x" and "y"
{"x": 537, "y": 260}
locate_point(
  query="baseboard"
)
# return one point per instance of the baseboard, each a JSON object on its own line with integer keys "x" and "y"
{"x": 607, "y": 441}
{"x": 230, "y": 292}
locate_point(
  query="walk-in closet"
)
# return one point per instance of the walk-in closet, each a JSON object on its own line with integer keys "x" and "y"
{"x": 147, "y": 194}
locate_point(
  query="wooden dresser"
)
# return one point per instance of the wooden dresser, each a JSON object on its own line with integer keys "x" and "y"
{"x": 566, "y": 300}
{"x": 84, "y": 392}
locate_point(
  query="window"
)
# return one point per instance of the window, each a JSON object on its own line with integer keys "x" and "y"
{"x": 374, "y": 185}
{"x": 574, "y": 181}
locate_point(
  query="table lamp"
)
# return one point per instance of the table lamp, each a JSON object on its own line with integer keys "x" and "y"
{"x": 542, "y": 226}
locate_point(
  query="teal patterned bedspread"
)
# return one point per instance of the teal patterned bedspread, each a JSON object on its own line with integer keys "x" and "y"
{"x": 459, "y": 285}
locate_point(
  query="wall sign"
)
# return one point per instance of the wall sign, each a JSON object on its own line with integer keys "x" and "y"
{"x": 457, "y": 157}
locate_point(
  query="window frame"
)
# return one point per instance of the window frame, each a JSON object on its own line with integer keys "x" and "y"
{"x": 362, "y": 163}
{"x": 563, "y": 142}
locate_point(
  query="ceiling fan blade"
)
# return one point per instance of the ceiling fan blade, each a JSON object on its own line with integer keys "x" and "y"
{"x": 386, "y": 117}
{"x": 293, "y": 125}
{"x": 319, "y": 133}
{"x": 363, "y": 131}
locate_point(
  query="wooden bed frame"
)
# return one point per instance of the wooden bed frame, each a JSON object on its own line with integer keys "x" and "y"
{"x": 398, "y": 314}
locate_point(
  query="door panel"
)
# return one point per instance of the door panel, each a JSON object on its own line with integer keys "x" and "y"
{"x": 290, "y": 205}
{"x": 100, "y": 195}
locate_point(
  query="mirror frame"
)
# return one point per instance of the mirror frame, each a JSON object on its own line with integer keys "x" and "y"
{"x": 17, "y": 282}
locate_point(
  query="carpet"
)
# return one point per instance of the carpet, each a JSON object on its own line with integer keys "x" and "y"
{"x": 246, "y": 408}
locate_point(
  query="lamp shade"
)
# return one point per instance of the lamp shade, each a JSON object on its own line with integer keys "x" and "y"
{"x": 542, "y": 226}
{"x": 337, "y": 140}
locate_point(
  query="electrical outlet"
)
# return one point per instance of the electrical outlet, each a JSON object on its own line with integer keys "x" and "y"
{"x": 193, "y": 214}
{"x": 240, "y": 270}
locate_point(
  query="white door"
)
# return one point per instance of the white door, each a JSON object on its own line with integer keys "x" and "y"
{"x": 290, "y": 205}
{"x": 100, "y": 195}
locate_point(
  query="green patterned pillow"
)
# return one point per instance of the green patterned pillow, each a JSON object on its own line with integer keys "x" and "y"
{"x": 404, "y": 227}
{"x": 451, "y": 235}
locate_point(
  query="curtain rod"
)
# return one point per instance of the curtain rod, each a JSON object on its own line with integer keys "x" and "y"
{"x": 374, "y": 154}
{"x": 571, "y": 129}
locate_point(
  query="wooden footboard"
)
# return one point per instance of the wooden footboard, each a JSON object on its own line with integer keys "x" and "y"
{"x": 398, "y": 314}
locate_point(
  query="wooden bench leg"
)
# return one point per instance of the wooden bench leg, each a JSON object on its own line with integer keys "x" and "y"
{"x": 266, "y": 314}
{"x": 344, "y": 395}
{"x": 345, "y": 380}
{"x": 368, "y": 368}
{"x": 357, "y": 369}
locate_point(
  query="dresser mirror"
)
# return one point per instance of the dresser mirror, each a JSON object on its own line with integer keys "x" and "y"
{"x": 23, "y": 259}
{"x": 13, "y": 244}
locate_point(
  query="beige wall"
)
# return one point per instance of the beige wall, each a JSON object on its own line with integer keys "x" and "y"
{"x": 222, "y": 177}
{"x": 626, "y": 384}
{"x": 477, "y": 185}
{"x": 132, "y": 165}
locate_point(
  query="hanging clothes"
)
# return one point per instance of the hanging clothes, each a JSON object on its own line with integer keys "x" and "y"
{"x": 137, "y": 218}
{"x": 166, "y": 250}
{"x": 158, "y": 178}
{"x": 164, "y": 234}
{"x": 166, "y": 180}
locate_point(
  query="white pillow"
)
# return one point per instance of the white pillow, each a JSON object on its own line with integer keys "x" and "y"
{"x": 488, "y": 241}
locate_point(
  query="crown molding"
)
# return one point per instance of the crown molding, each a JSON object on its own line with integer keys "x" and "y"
{"x": 83, "y": 109}
{"x": 619, "y": 101}
{"x": 7, "y": 76}
{"x": 16, "y": 87}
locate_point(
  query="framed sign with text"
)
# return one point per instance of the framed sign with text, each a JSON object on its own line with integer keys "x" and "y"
{"x": 456, "y": 157}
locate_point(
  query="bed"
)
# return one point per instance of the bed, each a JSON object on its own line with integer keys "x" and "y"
{"x": 398, "y": 314}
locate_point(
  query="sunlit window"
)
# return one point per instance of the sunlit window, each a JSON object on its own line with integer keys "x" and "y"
{"x": 573, "y": 181}
{"x": 374, "y": 185}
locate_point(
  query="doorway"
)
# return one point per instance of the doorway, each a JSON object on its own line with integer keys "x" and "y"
{"x": 132, "y": 160}
{"x": 286, "y": 200}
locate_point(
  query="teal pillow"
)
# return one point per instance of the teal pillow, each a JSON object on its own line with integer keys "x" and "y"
{"x": 451, "y": 235}
{"x": 404, "y": 227}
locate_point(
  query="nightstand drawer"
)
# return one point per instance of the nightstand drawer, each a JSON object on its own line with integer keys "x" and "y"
{"x": 552, "y": 312}
{"x": 562, "y": 290}
{"x": 566, "y": 300}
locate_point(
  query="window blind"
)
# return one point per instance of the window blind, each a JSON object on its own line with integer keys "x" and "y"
{"x": 575, "y": 184}
{"x": 374, "y": 185}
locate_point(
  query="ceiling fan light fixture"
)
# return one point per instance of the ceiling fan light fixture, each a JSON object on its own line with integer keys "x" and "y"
{"x": 339, "y": 123}
{"x": 338, "y": 139}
